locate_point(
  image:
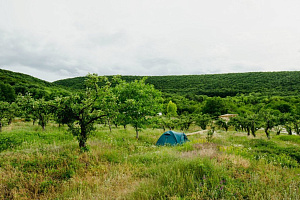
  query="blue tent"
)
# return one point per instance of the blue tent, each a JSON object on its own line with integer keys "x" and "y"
{"x": 172, "y": 138}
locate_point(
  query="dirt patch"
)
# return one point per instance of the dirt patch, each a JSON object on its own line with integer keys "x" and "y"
{"x": 202, "y": 150}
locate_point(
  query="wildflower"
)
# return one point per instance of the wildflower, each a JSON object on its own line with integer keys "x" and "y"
{"x": 222, "y": 181}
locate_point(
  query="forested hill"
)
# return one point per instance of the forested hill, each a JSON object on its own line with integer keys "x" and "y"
{"x": 267, "y": 83}
{"x": 13, "y": 83}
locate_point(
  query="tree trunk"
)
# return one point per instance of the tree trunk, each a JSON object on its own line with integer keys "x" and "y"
{"x": 278, "y": 132}
{"x": 253, "y": 131}
{"x": 297, "y": 129}
{"x": 82, "y": 144}
{"x": 289, "y": 130}
{"x": 9, "y": 121}
{"x": 267, "y": 132}
{"x": 248, "y": 131}
{"x": 0, "y": 126}
{"x": 83, "y": 137}
{"x": 137, "y": 133}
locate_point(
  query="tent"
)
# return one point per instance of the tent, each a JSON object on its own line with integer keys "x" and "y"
{"x": 172, "y": 138}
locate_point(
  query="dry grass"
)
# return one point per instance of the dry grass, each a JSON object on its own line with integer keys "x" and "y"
{"x": 202, "y": 150}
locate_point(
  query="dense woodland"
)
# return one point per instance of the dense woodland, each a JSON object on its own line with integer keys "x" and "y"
{"x": 223, "y": 85}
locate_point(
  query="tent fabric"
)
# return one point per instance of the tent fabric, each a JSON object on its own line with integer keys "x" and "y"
{"x": 172, "y": 138}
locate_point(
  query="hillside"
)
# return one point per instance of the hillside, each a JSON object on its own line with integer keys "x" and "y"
{"x": 268, "y": 83}
{"x": 13, "y": 83}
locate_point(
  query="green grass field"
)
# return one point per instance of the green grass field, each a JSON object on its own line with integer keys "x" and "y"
{"x": 36, "y": 164}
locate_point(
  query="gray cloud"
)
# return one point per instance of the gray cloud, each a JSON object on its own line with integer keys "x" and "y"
{"x": 54, "y": 39}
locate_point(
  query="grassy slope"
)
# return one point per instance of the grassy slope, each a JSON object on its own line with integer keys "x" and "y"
{"x": 47, "y": 165}
{"x": 283, "y": 83}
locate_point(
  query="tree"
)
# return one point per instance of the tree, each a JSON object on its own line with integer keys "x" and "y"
{"x": 185, "y": 121}
{"x": 253, "y": 123}
{"x": 171, "y": 109}
{"x": 279, "y": 122}
{"x": 288, "y": 123}
{"x": 203, "y": 120}
{"x": 4, "y": 108}
{"x": 268, "y": 120}
{"x": 80, "y": 111}
{"x": 110, "y": 108}
{"x": 214, "y": 106}
{"x": 222, "y": 124}
{"x": 13, "y": 111}
{"x": 137, "y": 101}
{"x": 236, "y": 122}
{"x": 35, "y": 109}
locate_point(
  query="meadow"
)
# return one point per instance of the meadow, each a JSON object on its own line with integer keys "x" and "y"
{"x": 37, "y": 164}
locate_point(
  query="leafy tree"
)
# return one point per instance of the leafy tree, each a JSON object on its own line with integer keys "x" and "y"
{"x": 4, "y": 108}
{"x": 288, "y": 125}
{"x": 41, "y": 109}
{"x": 185, "y": 121}
{"x": 296, "y": 118}
{"x": 296, "y": 124}
{"x": 203, "y": 120}
{"x": 171, "y": 109}
{"x": 80, "y": 111}
{"x": 279, "y": 122}
{"x": 137, "y": 101}
{"x": 110, "y": 108}
{"x": 214, "y": 106}
{"x": 222, "y": 124}
{"x": 13, "y": 111}
{"x": 268, "y": 120}
{"x": 252, "y": 123}
{"x": 237, "y": 123}
{"x": 35, "y": 109}
{"x": 170, "y": 123}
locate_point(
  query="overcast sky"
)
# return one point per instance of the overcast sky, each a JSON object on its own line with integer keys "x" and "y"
{"x": 56, "y": 39}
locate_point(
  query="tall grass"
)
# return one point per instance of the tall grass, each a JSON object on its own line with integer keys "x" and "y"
{"x": 36, "y": 164}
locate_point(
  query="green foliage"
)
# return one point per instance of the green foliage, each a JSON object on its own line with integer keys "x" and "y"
{"x": 4, "y": 110}
{"x": 36, "y": 109}
{"x": 7, "y": 92}
{"x": 223, "y": 85}
{"x": 214, "y": 106}
{"x": 203, "y": 120}
{"x": 137, "y": 101}
{"x": 269, "y": 151}
{"x": 290, "y": 138}
{"x": 13, "y": 84}
{"x": 81, "y": 111}
{"x": 222, "y": 123}
{"x": 171, "y": 109}
{"x": 185, "y": 121}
